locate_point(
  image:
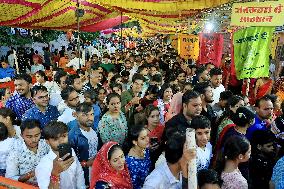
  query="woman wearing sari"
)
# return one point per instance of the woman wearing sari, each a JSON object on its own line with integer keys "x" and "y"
{"x": 109, "y": 170}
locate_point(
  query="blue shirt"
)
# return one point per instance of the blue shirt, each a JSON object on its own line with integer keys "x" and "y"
{"x": 278, "y": 174}
{"x": 258, "y": 125}
{"x": 139, "y": 169}
{"x": 19, "y": 104}
{"x": 7, "y": 72}
{"x": 50, "y": 114}
{"x": 97, "y": 115}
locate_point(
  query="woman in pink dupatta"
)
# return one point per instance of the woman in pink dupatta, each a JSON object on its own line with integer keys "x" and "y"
{"x": 175, "y": 106}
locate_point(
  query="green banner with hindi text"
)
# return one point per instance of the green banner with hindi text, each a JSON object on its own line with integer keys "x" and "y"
{"x": 251, "y": 52}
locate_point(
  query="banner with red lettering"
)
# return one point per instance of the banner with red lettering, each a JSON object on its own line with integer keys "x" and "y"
{"x": 268, "y": 13}
{"x": 211, "y": 48}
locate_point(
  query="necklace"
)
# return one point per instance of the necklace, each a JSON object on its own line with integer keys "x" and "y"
{"x": 149, "y": 129}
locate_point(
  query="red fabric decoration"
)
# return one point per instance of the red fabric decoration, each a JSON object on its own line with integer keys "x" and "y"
{"x": 211, "y": 48}
{"x": 106, "y": 24}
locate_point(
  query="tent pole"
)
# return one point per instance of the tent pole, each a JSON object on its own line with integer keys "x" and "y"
{"x": 78, "y": 28}
{"x": 121, "y": 34}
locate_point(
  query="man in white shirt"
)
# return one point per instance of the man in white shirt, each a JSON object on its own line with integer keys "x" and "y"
{"x": 57, "y": 86}
{"x": 172, "y": 173}
{"x": 91, "y": 50}
{"x": 26, "y": 153}
{"x": 75, "y": 62}
{"x": 111, "y": 50}
{"x": 71, "y": 99}
{"x": 216, "y": 84}
{"x": 59, "y": 172}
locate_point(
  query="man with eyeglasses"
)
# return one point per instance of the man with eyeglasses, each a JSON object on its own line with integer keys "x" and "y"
{"x": 42, "y": 111}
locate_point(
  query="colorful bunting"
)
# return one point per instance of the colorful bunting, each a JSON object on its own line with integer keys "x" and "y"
{"x": 158, "y": 15}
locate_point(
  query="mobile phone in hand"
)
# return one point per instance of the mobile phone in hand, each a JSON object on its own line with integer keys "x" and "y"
{"x": 64, "y": 149}
{"x": 154, "y": 141}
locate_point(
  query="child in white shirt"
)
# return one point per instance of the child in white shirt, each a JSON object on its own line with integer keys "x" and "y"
{"x": 202, "y": 126}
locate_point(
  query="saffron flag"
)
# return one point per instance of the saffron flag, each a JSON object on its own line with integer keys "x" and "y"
{"x": 188, "y": 46}
{"x": 211, "y": 48}
{"x": 251, "y": 52}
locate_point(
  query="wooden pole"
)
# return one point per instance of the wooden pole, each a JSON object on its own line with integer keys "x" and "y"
{"x": 121, "y": 42}
{"x": 192, "y": 167}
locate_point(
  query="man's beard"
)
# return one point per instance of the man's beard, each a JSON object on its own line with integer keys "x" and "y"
{"x": 207, "y": 100}
{"x": 89, "y": 124}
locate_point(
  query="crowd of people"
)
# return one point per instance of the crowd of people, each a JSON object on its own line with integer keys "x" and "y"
{"x": 118, "y": 120}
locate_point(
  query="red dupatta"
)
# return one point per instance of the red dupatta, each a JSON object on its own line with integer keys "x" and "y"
{"x": 103, "y": 171}
{"x": 264, "y": 89}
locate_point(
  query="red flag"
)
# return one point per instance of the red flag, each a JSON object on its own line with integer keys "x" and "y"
{"x": 211, "y": 48}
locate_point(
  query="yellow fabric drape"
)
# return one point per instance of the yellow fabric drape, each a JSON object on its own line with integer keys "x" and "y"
{"x": 162, "y": 6}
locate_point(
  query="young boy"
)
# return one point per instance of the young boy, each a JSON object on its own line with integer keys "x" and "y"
{"x": 59, "y": 172}
{"x": 202, "y": 126}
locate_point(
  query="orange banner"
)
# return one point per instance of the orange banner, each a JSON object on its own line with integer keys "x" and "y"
{"x": 188, "y": 46}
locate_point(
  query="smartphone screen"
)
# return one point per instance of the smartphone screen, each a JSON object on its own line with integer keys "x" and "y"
{"x": 64, "y": 149}
{"x": 154, "y": 140}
